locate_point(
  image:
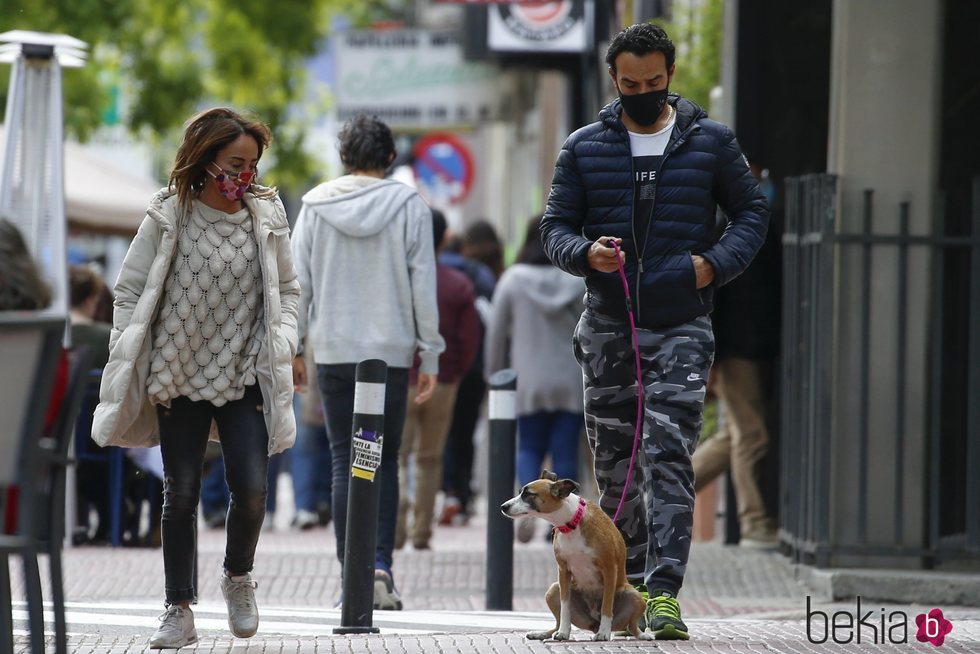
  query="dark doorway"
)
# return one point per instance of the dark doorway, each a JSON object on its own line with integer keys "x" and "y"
{"x": 782, "y": 123}
{"x": 783, "y": 86}
{"x": 959, "y": 165}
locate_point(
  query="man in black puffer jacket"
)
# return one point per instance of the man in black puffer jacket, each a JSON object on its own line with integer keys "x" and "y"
{"x": 649, "y": 177}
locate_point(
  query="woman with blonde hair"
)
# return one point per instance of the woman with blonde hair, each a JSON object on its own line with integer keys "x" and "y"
{"x": 204, "y": 329}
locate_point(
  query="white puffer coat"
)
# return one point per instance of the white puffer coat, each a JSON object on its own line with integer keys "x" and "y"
{"x": 125, "y": 416}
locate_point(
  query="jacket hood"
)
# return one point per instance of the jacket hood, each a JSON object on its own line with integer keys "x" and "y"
{"x": 687, "y": 112}
{"x": 549, "y": 288}
{"x": 358, "y": 205}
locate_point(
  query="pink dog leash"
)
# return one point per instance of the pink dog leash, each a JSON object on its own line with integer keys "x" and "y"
{"x": 639, "y": 380}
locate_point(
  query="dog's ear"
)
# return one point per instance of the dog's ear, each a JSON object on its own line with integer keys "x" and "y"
{"x": 550, "y": 476}
{"x": 563, "y": 488}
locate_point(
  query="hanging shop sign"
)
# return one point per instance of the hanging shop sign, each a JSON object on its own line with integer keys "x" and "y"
{"x": 416, "y": 79}
{"x": 555, "y": 26}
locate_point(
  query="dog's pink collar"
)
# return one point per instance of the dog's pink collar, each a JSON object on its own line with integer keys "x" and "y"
{"x": 573, "y": 523}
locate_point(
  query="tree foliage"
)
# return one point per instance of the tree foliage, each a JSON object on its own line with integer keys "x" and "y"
{"x": 697, "y": 29}
{"x": 170, "y": 59}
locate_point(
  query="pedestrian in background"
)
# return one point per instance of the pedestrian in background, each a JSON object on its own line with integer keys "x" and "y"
{"x": 87, "y": 291}
{"x": 478, "y": 254}
{"x": 426, "y": 426}
{"x": 535, "y": 309}
{"x": 747, "y": 326}
{"x": 650, "y": 176}
{"x": 311, "y": 465}
{"x": 367, "y": 267}
{"x": 481, "y": 243}
{"x": 85, "y": 288}
{"x": 204, "y": 330}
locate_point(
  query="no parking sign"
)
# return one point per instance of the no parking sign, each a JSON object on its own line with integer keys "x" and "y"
{"x": 443, "y": 168}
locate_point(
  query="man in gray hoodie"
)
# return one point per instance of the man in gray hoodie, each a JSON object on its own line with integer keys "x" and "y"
{"x": 366, "y": 264}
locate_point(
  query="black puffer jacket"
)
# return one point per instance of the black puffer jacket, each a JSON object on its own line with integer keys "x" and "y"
{"x": 592, "y": 195}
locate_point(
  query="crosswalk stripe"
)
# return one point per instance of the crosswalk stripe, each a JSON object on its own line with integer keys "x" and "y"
{"x": 299, "y": 621}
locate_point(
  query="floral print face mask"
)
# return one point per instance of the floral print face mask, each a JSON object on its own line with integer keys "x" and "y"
{"x": 231, "y": 185}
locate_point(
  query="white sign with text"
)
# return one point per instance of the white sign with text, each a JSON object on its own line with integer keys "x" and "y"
{"x": 416, "y": 78}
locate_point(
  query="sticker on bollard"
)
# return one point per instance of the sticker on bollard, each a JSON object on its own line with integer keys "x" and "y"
{"x": 363, "y": 499}
{"x": 367, "y": 447}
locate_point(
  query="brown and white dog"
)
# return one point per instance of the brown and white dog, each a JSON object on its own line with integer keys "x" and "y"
{"x": 591, "y": 592}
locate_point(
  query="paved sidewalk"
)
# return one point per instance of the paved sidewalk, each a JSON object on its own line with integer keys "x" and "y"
{"x": 734, "y": 601}
{"x": 300, "y": 569}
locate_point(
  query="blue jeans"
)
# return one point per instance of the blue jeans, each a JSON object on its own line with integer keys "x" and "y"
{"x": 184, "y": 429}
{"x": 336, "y": 382}
{"x": 312, "y": 467}
{"x": 548, "y": 432}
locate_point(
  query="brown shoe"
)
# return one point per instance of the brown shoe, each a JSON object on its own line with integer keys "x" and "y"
{"x": 450, "y": 509}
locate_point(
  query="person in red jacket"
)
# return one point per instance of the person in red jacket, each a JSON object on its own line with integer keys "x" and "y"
{"x": 427, "y": 425}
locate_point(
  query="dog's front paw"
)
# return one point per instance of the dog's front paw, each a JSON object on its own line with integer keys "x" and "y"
{"x": 603, "y": 634}
{"x": 540, "y": 635}
{"x": 562, "y": 635}
{"x": 645, "y": 635}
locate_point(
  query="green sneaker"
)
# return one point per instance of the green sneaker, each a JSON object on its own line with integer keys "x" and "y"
{"x": 642, "y": 589}
{"x": 663, "y": 617}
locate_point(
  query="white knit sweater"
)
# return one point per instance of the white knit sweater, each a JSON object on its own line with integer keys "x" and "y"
{"x": 208, "y": 329}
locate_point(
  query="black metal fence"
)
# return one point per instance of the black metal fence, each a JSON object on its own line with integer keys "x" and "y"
{"x": 825, "y": 501}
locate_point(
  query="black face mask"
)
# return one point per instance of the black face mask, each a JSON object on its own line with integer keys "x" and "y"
{"x": 644, "y": 108}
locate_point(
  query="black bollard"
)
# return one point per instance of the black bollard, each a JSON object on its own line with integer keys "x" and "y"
{"x": 500, "y": 488}
{"x": 367, "y": 437}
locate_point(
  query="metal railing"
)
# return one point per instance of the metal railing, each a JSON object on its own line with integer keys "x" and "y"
{"x": 812, "y": 454}
{"x": 807, "y": 359}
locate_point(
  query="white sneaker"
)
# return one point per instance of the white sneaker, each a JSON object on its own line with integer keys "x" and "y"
{"x": 243, "y": 613}
{"x": 760, "y": 539}
{"x": 305, "y": 520}
{"x": 176, "y": 629}
{"x": 386, "y": 597}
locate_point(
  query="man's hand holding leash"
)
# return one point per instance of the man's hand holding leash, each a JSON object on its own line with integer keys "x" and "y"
{"x": 602, "y": 255}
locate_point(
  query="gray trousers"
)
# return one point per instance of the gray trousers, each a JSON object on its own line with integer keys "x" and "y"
{"x": 657, "y": 516}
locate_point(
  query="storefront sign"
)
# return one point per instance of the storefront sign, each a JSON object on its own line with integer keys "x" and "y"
{"x": 556, "y": 26}
{"x": 415, "y": 78}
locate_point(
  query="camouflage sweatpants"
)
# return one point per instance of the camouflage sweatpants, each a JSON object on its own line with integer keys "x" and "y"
{"x": 657, "y": 515}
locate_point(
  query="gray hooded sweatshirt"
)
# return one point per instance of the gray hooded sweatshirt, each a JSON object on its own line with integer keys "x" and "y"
{"x": 367, "y": 271}
{"x": 534, "y": 312}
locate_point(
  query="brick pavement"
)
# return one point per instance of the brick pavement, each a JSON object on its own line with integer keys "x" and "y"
{"x": 734, "y": 600}
{"x": 718, "y": 637}
{"x": 300, "y": 569}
